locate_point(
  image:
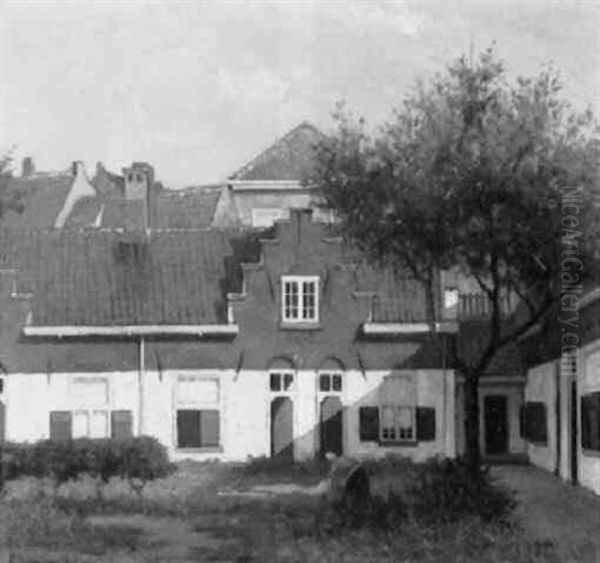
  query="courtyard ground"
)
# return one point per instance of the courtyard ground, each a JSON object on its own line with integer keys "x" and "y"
{"x": 183, "y": 518}
{"x": 552, "y": 510}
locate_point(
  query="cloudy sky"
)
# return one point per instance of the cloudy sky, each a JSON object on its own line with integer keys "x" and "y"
{"x": 198, "y": 88}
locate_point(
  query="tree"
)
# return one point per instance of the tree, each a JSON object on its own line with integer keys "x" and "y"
{"x": 473, "y": 173}
{"x": 10, "y": 199}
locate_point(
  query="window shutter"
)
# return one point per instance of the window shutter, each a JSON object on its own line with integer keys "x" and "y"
{"x": 536, "y": 425}
{"x": 425, "y": 424}
{"x": 523, "y": 421}
{"x": 60, "y": 425}
{"x": 121, "y": 423}
{"x": 188, "y": 428}
{"x": 209, "y": 428}
{"x": 590, "y": 421}
{"x": 369, "y": 424}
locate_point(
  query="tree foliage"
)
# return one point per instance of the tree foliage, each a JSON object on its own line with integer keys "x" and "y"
{"x": 10, "y": 199}
{"x": 471, "y": 173}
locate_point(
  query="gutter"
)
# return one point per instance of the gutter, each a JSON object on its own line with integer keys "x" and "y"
{"x": 259, "y": 185}
{"x": 133, "y": 330}
{"x": 408, "y": 328}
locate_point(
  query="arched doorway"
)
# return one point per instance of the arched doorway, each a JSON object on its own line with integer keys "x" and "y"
{"x": 282, "y": 374}
{"x": 330, "y": 388}
{"x": 331, "y": 426}
{"x": 282, "y": 429}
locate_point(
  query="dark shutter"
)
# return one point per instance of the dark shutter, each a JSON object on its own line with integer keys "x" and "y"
{"x": 121, "y": 423}
{"x": 536, "y": 423}
{"x": 369, "y": 424}
{"x": 60, "y": 425}
{"x": 209, "y": 428}
{"x": 425, "y": 424}
{"x": 590, "y": 421}
{"x": 188, "y": 429}
{"x": 2, "y": 421}
{"x": 523, "y": 421}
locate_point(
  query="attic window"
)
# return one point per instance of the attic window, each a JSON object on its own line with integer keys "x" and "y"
{"x": 300, "y": 299}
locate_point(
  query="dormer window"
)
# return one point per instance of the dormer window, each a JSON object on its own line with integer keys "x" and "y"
{"x": 300, "y": 299}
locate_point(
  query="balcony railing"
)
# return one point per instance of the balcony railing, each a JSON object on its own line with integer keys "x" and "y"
{"x": 475, "y": 306}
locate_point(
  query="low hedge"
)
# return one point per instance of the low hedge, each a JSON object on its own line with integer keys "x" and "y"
{"x": 137, "y": 460}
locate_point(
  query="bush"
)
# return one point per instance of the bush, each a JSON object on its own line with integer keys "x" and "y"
{"x": 137, "y": 460}
{"x": 446, "y": 491}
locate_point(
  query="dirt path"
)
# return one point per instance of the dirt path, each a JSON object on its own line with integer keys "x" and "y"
{"x": 550, "y": 509}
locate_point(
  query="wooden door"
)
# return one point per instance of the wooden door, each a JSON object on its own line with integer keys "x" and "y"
{"x": 282, "y": 429}
{"x": 496, "y": 424}
{"x": 331, "y": 426}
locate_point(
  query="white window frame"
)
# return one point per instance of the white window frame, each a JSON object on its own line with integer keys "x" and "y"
{"x": 282, "y": 373}
{"x": 330, "y": 374}
{"x": 398, "y": 434}
{"x": 299, "y": 281}
{"x": 81, "y": 406}
{"x": 406, "y": 401}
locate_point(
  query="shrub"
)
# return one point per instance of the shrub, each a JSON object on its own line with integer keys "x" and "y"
{"x": 445, "y": 490}
{"x": 137, "y": 460}
{"x": 141, "y": 460}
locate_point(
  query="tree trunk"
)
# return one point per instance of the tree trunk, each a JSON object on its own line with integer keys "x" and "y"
{"x": 472, "y": 453}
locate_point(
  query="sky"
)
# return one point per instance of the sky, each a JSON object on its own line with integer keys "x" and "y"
{"x": 199, "y": 88}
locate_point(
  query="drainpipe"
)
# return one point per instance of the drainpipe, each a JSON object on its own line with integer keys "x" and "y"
{"x": 558, "y": 415}
{"x": 141, "y": 372}
{"x": 445, "y": 426}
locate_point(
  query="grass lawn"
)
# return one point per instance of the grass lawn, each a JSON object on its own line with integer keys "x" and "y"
{"x": 183, "y": 518}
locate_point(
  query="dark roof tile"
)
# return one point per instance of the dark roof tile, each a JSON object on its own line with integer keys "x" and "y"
{"x": 289, "y": 158}
{"x": 184, "y": 209}
{"x": 108, "y": 278}
{"x": 42, "y": 196}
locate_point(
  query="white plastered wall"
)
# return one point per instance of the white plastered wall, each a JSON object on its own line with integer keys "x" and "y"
{"x": 589, "y": 381}
{"x": 541, "y": 387}
{"x": 30, "y": 397}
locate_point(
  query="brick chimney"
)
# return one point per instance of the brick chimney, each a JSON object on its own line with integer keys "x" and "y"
{"x": 140, "y": 185}
{"x": 27, "y": 167}
{"x": 139, "y": 177}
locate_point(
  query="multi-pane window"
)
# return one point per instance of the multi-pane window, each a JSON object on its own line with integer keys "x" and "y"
{"x": 198, "y": 412}
{"x": 397, "y": 423}
{"x": 300, "y": 302}
{"x": 397, "y": 408}
{"x": 90, "y": 417}
{"x": 330, "y": 382}
{"x": 281, "y": 382}
{"x": 65, "y": 425}
{"x": 371, "y": 419}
